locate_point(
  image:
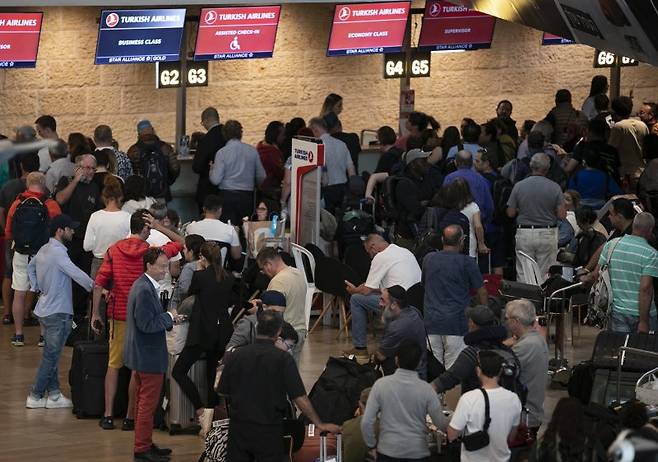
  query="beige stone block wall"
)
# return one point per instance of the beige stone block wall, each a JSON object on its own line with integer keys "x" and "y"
{"x": 81, "y": 95}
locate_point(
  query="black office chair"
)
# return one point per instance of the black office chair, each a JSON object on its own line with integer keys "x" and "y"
{"x": 330, "y": 277}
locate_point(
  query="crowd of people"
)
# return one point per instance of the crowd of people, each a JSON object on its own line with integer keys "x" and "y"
{"x": 451, "y": 205}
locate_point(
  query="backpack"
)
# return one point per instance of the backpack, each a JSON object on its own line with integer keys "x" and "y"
{"x": 154, "y": 168}
{"x": 388, "y": 198}
{"x": 30, "y": 226}
{"x": 354, "y": 225}
{"x": 510, "y": 377}
{"x": 501, "y": 191}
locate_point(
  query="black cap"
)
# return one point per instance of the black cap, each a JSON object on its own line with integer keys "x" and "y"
{"x": 398, "y": 293}
{"x": 481, "y": 315}
{"x": 62, "y": 221}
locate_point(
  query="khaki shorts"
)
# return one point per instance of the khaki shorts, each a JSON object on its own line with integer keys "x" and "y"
{"x": 117, "y": 335}
{"x": 19, "y": 279}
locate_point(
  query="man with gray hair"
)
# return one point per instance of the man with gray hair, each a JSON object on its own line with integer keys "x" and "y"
{"x": 478, "y": 184}
{"x": 538, "y": 204}
{"x": 61, "y": 164}
{"x": 531, "y": 349}
{"x": 632, "y": 264}
{"x": 79, "y": 197}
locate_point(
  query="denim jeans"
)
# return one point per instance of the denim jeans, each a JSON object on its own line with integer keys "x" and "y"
{"x": 627, "y": 324}
{"x": 57, "y": 328}
{"x": 360, "y": 305}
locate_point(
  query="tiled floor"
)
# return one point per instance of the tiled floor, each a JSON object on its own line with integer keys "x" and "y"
{"x": 55, "y": 435}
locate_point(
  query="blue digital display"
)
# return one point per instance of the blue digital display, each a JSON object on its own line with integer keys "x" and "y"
{"x": 140, "y": 36}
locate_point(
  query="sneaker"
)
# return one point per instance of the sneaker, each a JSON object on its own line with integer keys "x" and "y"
{"x": 42, "y": 342}
{"x": 18, "y": 340}
{"x": 158, "y": 451}
{"x": 7, "y": 319}
{"x": 33, "y": 402}
{"x": 361, "y": 356}
{"x": 128, "y": 425}
{"x": 58, "y": 401}
{"x": 106, "y": 423}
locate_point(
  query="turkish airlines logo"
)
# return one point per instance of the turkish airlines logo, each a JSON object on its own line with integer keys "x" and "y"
{"x": 112, "y": 20}
{"x": 435, "y": 10}
{"x": 310, "y": 156}
{"x": 211, "y": 17}
{"x": 344, "y": 13}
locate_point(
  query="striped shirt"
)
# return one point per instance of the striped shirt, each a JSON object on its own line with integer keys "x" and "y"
{"x": 631, "y": 259}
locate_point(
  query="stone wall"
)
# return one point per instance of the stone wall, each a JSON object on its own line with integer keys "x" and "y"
{"x": 81, "y": 95}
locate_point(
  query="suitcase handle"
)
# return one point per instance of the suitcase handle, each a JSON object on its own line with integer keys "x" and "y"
{"x": 323, "y": 447}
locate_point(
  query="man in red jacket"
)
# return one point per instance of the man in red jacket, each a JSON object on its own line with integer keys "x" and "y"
{"x": 122, "y": 265}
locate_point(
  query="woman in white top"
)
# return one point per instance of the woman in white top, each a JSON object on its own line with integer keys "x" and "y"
{"x": 471, "y": 210}
{"x": 136, "y": 197}
{"x": 106, "y": 226}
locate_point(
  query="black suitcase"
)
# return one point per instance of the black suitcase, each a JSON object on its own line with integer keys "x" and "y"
{"x": 87, "y": 378}
{"x": 606, "y": 351}
{"x": 87, "y": 381}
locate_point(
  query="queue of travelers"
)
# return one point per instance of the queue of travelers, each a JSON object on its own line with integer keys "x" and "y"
{"x": 451, "y": 209}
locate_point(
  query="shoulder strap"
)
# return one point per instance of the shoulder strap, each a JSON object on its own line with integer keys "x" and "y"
{"x": 487, "y": 417}
{"x": 611, "y": 251}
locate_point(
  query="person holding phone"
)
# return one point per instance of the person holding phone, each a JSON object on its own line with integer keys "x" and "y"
{"x": 145, "y": 350}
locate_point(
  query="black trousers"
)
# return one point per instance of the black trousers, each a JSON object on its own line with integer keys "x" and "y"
{"x": 236, "y": 205}
{"x": 254, "y": 443}
{"x": 82, "y": 260}
{"x": 185, "y": 361}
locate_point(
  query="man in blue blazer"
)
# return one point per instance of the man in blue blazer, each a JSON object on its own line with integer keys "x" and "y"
{"x": 145, "y": 351}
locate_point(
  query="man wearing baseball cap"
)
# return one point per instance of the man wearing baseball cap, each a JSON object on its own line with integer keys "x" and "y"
{"x": 151, "y": 151}
{"x": 50, "y": 272}
{"x": 484, "y": 333}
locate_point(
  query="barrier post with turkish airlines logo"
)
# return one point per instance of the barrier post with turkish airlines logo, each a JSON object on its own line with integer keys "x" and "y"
{"x": 306, "y": 183}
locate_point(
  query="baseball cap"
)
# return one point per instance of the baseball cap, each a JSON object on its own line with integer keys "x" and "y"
{"x": 62, "y": 221}
{"x": 414, "y": 154}
{"x": 481, "y": 315}
{"x": 142, "y": 124}
{"x": 273, "y": 298}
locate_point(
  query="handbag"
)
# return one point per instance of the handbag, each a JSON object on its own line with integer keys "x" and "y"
{"x": 478, "y": 440}
{"x": 600, "y": 296}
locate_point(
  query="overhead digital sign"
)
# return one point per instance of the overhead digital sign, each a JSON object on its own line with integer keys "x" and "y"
{"x": 19, "y": 39}
{"x": 455, "y": 27}
{"x": 550, "y": 39}
{"x": 237, "y": 33}
{"x": 365, "y": 28}
{"x": 140, "y": 36}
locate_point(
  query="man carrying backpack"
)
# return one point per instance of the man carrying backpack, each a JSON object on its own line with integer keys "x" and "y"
{"x": 27, "y": 224}
{"x": 154, "y": 160}
{"x": 484, "y": 333}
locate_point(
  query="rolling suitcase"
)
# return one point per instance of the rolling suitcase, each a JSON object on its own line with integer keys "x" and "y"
{"x": 180, "y": 413}
{"x": 87, "y": 378}
{"x": 316, "y": 444}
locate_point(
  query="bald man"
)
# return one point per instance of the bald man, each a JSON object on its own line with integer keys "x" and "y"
{"x": 448, "y": 278}
{"x": 632, "y": 265}
{"x": 477, "y": 183}
{"x": 391, "y": 265}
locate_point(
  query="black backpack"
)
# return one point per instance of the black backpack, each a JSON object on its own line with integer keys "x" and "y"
{"x": 502, "y": 189}
{"x": 510, "y": 377}
{"x": 30, "y": 226}
{"x": 154, "y": 168}
{"x": 388, "y": 197}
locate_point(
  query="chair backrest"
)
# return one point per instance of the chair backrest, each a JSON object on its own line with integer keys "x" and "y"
{"x": 356, "y": 257}
{"x": 416, "y": 296}
{"x": 532, "y": 273}
{"x": 305, "y": 262}
{"x": 225, "y": 248}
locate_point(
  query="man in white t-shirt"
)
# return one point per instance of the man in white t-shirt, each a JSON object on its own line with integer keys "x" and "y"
{"x": 391, "y": 265}
{"x": 212, "y": 229}
{"x": 158, "y": 239}
{"x": 504, "y": 412}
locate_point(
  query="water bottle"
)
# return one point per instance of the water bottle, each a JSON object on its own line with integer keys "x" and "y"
{"x": 275, "y": 220}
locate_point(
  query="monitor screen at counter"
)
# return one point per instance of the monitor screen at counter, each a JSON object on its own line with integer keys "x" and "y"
{"x": 365, "y": 28}
{"x": 454, "y": 27}
{"x": 19, "y": 39}
{"x": 140, "y": 36}
{"x": 237, "y": 32}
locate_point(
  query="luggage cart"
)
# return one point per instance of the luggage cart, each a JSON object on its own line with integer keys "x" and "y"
{"x": 559, "y": 362}
{"x": 652, "y": 395}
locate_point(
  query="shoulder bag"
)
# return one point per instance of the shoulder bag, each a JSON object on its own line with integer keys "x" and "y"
{"x": 478, "y": 440}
